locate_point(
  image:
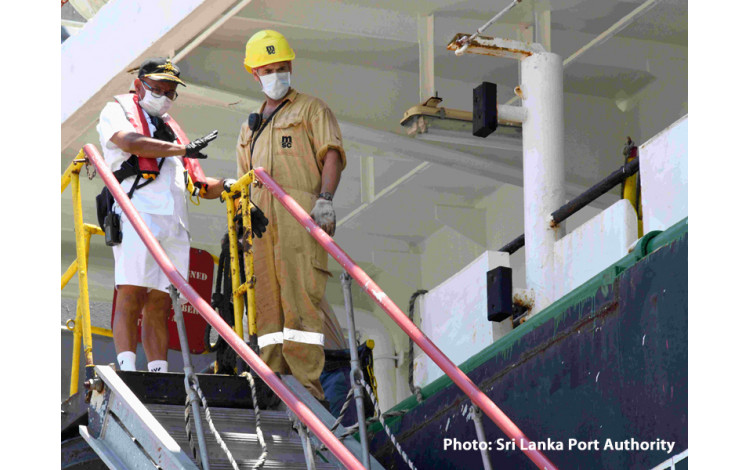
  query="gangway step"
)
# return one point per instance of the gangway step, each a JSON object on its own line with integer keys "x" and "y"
{"x": 143, "y": 428}
{"x": 237, "y": 429}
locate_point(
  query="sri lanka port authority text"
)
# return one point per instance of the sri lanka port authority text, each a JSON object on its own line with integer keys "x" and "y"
{"x": 502, "y": 444}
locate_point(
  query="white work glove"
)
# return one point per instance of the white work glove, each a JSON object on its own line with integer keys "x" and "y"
{"x": 228, "y": 182}
{"x": 324, "y": 215}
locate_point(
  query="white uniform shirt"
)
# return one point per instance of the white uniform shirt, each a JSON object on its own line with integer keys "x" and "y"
{"x": 166, "y": 194}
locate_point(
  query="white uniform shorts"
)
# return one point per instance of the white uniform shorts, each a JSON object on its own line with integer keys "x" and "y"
{"x": 134, "y": 264}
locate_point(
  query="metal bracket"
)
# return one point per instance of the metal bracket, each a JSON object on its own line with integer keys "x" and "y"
{"x": 124, "y": 433}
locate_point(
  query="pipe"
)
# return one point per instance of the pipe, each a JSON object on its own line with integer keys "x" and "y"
{"x": 356, "y": 376}
{"x": 74, "y": 167}
{"x": 390, "y": 308}
{"x": 418, "y": 169}
{"x": 238, "y": 300}
{"x": 585, "y": 198}
{"x": 68, "y": 274}
{"x": 187, "y": 365}
{"x": 615, "y": 178}
{"x": 514, "y": 114}
{"x": 612, "y": 30}
{"x": 476, "y": 415}
{"x": 543, "y": 169}
{"x": 464, "y": 42}
{"x": 608, "y": 33}
{"x": 83, "y": 279}
{"x": 209, "y": 31}
{"x": 215, "y": 320}
{"x": 514, "y": 245}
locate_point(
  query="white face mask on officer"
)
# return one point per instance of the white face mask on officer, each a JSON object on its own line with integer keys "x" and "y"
{"x": 276, "y": 85}
{"x": 155, "y": 106}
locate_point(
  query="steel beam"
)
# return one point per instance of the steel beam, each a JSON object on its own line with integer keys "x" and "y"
{"x": 88, "y": 84}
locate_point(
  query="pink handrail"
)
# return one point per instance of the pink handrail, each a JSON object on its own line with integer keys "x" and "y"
{"x": 213, "y": 318}
{"x": 377, "y": 294}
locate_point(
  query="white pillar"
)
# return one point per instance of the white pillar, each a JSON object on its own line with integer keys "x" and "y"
{"x": 426, "y": 36}
{"x": 543, "y": 170}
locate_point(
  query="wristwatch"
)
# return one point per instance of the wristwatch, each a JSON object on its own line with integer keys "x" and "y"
{"x": 327, "y": 196}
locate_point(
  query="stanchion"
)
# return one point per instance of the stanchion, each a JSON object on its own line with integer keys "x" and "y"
{"x": 355, "y": 375}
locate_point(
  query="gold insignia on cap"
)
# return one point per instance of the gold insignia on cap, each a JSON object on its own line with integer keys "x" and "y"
{"x": 168, "y": 68}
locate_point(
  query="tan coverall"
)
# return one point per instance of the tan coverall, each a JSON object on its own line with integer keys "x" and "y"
{"x": 290, "y": 266}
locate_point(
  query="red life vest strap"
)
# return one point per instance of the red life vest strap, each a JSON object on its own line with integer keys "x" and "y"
{"x": 191, "y": 164}
{"x": 148, "y": 166}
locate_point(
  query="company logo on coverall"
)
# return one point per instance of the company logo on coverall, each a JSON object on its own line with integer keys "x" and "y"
{"x": 286, "y": 141}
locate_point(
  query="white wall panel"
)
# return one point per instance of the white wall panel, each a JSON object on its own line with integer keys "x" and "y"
{"x": 454, "y": 316}
{"x": 594, "y": 246}
{"x": 664, "y": 177}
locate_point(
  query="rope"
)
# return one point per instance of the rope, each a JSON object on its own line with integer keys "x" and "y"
{"x": 189, "y": 432}
{"x": 379, "y": 416}
{"x": 262, "y": 459}
{"x": 211, "y": 426}
{"x": 349, "y": 397}
{"x": 414, "y": 390}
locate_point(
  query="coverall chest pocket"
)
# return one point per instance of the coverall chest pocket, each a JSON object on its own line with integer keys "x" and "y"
{"x": 289, "y": 135}
{"x": 294, "y": 158}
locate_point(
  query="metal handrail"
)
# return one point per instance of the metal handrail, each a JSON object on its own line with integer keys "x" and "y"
{"x": 215, "y": 320}
{"x": 583, "y": 199}
{"x": 83, "y": 232}
{"x": 377, "y": 294}
{"x": 83, "y": 316}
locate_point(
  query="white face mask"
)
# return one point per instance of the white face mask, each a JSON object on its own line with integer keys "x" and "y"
{"x": 275, "y": 85}
{"x": 155, "y": 106}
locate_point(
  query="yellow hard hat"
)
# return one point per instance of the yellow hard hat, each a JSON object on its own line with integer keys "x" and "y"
{"x": 266, "y": 47}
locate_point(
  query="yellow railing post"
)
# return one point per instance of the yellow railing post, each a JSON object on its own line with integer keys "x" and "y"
{"x": 75, "y": 366}
{"x": 249, "y": 266}
{"x": 68, "y": 275}
{"x": 238, "y": 299}
{"x": 74, "y": 167}
{"x": 83, "y": 285}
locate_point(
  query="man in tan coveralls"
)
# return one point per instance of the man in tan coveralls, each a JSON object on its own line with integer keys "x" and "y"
{"x": 299, "y": 144}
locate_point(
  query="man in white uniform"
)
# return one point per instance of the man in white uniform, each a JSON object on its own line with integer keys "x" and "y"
{"x": 141, "y": 285}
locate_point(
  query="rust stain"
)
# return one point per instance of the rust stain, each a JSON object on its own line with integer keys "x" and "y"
{"x": 489, "y": 49}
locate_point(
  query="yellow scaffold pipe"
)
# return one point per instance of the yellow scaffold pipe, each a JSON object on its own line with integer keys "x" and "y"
{"x": 76, "y": 356}
{"x": 74, "y": 167}
{"x": 81, "y": 251}
{"x": 238, "y": 300}
{"x": 68, "y": 274}
{"x": 249, "y": 266}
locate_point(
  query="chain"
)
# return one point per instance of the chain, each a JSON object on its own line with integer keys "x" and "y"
{"x": 190, "y": 432}
{"x": 90, "y": 174}
{"x": 258, "y": 430}
{"x": 207, "y": 412}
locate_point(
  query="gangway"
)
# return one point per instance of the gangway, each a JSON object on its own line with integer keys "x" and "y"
{"x": 124, "y": 431}
{"x": 145, "y": 430}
